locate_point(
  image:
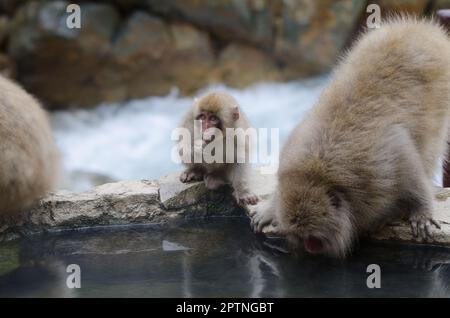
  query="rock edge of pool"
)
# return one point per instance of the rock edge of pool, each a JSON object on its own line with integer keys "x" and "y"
{"x": 168, "y": 200}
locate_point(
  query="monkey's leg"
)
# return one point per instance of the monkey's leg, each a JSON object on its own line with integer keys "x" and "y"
{"x": 242, "y": 192}
{"x": 264, "y": 214}
{"x": 192, "y": 174}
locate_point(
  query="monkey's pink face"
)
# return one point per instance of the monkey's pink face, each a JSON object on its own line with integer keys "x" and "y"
{"x": 209, "y": 120}
{"x": 319, "y": 220}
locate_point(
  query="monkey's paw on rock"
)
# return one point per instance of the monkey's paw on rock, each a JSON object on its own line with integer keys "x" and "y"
{"x": 263, "y": 219}
{"x": 247, "y": 198}
{"x": 190, "y": 175}
{"x": 168, "y": 200}
{"x": 421, "y": 226}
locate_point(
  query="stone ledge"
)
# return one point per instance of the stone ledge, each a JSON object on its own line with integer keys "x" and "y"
{"x": 167, "y": 200}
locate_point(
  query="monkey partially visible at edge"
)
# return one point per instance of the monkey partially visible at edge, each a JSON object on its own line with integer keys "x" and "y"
{"x": 29, "y": 159}
{"x": 369, "y": 149}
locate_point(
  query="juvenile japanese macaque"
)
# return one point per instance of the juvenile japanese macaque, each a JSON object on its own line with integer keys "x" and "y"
{"x": 369, "y": 149}
{"x": 29, "y": 159}
{"x": 219, "y": 115}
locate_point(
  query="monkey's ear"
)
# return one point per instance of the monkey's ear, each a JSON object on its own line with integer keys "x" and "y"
{"x": 235, "y": 113}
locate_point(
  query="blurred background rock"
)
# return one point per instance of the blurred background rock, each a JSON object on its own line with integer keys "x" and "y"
{"x": 129, "y": 49}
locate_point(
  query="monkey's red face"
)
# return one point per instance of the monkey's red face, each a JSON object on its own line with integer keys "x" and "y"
{"x": 209, "y": 120}
{"x": 317, "y": 219}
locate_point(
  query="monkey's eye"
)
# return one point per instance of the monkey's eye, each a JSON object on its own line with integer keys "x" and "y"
{"x": 214, "y": 119}
{"x": 200, "y": 117}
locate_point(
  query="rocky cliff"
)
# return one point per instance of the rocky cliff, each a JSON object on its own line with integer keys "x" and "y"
{"x": 132, "y": 49}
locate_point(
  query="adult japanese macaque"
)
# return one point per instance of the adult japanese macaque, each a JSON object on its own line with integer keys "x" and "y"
{"x": 29, "y": 159}
{"x": 221, "y": 135}
{"x": 369, "y": 149}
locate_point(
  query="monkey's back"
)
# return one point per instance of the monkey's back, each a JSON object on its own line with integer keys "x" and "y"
{"x": 395, "y": 76}
{"x": 29, "y": 159}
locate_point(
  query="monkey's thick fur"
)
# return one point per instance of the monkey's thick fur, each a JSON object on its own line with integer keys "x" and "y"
{"x": 369, "y": 149}
{"x": 29, "y": 159}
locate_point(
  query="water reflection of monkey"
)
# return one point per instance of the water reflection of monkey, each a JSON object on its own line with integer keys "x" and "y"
{"x": 207, "y": 260}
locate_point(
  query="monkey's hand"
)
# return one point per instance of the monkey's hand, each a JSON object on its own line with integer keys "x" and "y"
{"x": 190, "y": 175}
{"x": 246, "y": 197}
{"x": 421, "y": 225}
{"x": 261, "y": 217}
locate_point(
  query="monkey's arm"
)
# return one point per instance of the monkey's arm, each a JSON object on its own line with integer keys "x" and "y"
{"x": 239, "y": 182}
{"x": 417, "y": 199}
{"x": 193, "y": 172}
{"x": 416, "y": 194}
{"x": 265, "y": 214}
